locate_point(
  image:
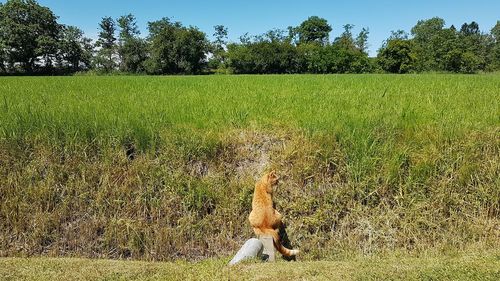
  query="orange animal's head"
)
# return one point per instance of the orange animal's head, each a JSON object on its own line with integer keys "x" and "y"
{"x": 271, "y": 180}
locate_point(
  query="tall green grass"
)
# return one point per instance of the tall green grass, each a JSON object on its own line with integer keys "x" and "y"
{"x": 74, "y": 109}
{"x": 163, "y": 167}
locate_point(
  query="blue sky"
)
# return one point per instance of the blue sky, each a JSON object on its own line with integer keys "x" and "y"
{"x": 257, "y": 16}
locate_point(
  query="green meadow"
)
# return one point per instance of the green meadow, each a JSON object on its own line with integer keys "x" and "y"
{"x": 84, "y": 109}
{"x": 163, "y": 168}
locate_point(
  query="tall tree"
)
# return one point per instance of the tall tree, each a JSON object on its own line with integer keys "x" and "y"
{"x": 29, "y": 33}
{"x": 495, "y": 32}
{"x": 219, "y": 46}
{"x": 162, "y": 35}
{"x": 131, "y": 48}
{"x": 128, "y": 27}
{"x": 174, "y": 48}
{"x": 398, "y": 34}
{"x": 105, "y": 58}
{"x": 3, "y": 52}
{"x": 314, "y": 29}
{"x": 349, "y": 58}
{"x": 427, "y": 38}
{"x": 470, "y": 29}
{"x": 220, "y": 35}
{"x": 362, "y": 39}
{"x": 495, "y": 54}
{"x": 425, "y": 30}
{"x": 396, "y": 55}
{"x": 76, "y": 50}
{"x": 473, "y": 48}
{"x": 274, "y": 35}
{"x": 3, "y": 59}
{"x": 191, "y": 47}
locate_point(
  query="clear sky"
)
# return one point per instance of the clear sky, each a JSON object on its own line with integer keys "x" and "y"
{"x": 258, "y": 16}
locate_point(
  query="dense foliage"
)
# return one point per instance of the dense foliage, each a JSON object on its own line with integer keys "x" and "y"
{"x": 32, "y": 41}
{"x": 174, "y": 48}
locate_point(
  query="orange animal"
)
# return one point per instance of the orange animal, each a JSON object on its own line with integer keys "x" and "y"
{"x": 264, "y": 219}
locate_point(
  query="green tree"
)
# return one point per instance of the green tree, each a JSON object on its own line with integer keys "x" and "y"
{"x": 271, "y": 52}
{"x": 162, "y": 36}
{"x": 362, "y": 40}
{"x": 245, "y": 39}
{"x": 472, "y": 49}
{"x": 318, "y": 59}
{"x": 75, "y": 49}
{"x": 191, "y": 48}
{"x": 293, "y": 35}
{"x": 3, "y": 53}
{"x": 398, "y": 34}
{"x": 471, "y": 38}
{"x": 449, "y": 50}
{"x": 276, "y": 52}
{"x": 131, "y": 48}
{"x": 128, "y": 27}
{"x": 263, "y": 57}
{"x": 346, "y": 40}
{"x": 174, "y": 48}
{"x": 314, "y": 29}
{"x": 428, "y": 44}
{"x": 495, "y": 54}
{"x": 439, "y": 48}
{"x": 470, "y": 29}
{"x": 220, "y": 35}
{"x": 29, "y": 33}
{"x": 3, "y": 59}
{"x": 349, "y": 57}
{"x": 495, "y": 32}
{"x": 219, "y": 46}
{"x": 425, "y": 30}
{"x": 396, "y": 55}
{"x": 453, "y": 60}
{"x": 106, "y": 55}
{"x": 470, "y": 62}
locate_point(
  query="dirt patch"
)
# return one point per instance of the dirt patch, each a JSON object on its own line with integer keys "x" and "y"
{"x": 253, "y": 152}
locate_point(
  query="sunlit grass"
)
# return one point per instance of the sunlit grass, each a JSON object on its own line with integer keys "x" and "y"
{"x": 163, "y": 167}
{"x": 465, "y": 266}
{"x": 74, "y": 109}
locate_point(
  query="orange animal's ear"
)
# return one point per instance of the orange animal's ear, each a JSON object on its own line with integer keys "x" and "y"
{"x": 269, "y": 176}
{"x": 272, "y": 175}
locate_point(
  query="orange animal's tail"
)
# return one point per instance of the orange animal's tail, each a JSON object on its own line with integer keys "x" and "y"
{"x": 277, "y": 243}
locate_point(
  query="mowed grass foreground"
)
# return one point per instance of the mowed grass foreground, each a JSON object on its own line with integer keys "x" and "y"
{"x": 473, "y": 265}
{"x": 162, "y": 168}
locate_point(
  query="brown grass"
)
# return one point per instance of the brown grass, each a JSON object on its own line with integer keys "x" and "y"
{"x": 189, "y": 198}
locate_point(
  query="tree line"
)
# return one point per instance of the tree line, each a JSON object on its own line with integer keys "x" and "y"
{"x": 32, "y": 41}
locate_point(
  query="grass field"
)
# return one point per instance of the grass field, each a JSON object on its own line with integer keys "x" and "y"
{"x": 163, "y": 168}
{"x": 70, "y": 109}
{"x": 459, "y": 266}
